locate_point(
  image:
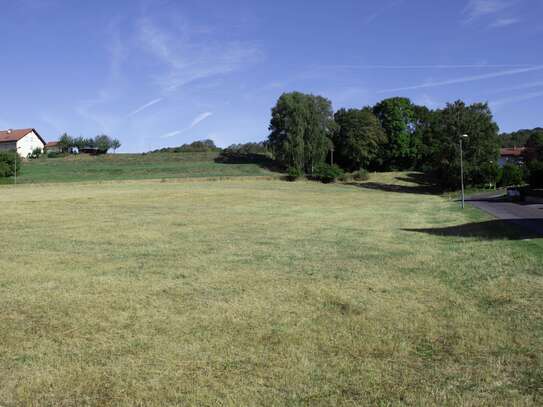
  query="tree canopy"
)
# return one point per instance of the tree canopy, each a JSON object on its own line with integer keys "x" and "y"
{"x": 357, "y": 138}
{"x": 102, "y": 142}
{"x": 481, "y": 148}
{"x": 397, "y": 117}
{"x": 300, "y": 130}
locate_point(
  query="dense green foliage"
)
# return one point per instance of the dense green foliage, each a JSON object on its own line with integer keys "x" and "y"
{"x": 509, "y": 175}
{"x": 198, "y": 146}
{"x": 301, "y": 126}
{"x": 101, "y": 142}
{"x": 535, "y": 174}
{"x": 394, "y": 134}
{"x": 357, "y": 138}
{"x": 327, "y": 173}
{"x": 35, "y": 154}
{"x": 9, "y": 160}
{"x": 480, "y": 149}
{"x": 519, "y": 138}
{"x": 535, "y": 144}
{"x": 397, "y": 117}
{"x": 243, "y": 153}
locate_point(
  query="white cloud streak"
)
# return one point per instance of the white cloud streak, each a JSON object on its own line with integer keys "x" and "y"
{"x": 171, "y": 134}
{"x": 435, "y": 66}
{"x": 145, "y": 106}
{"x": 480, "y": 8}
{"x": 530, "y": 85}
{"x": 514, "y": 99}
{"x": 187, "y": 59}
{"x": 197, "y": 120}
{"x": 465, "y": 79}
{"x": 200, "y": 118}
{"x": 504, "y": 22}
{"x": 374, "y": 16}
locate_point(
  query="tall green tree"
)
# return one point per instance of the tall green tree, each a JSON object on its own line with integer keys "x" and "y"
{"x": 535, "y": 144}
{"x": 66, "y": 141}
{"x": 115, "y": 144}
{"x": 397, "y": 117}
{"x": 357, "y": 138}
{"x": 480, "y": 150}
{"x": 300, "y": 130}
{"x": 103, "y": 142}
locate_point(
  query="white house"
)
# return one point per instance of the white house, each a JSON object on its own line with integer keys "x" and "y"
{"x": 22, "y": 140}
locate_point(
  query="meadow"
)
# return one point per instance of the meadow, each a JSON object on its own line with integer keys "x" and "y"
{"x": 74, "y": 168}
{"x": 264, "y": 292}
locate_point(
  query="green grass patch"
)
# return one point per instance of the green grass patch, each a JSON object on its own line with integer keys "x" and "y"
{"x": 250, "y": 292}
{"x": 130, "y": 166}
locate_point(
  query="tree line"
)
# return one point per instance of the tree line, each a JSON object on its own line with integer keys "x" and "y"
{"x": 101, "y": 142}
{"x": 393, "y": 135}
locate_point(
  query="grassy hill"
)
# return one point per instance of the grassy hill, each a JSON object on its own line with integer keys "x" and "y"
{"x": 131, "y": 166}
{"x": 251, "y": 292}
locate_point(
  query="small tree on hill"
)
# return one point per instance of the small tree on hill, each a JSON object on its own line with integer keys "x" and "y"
{"x": 115, "y": 144}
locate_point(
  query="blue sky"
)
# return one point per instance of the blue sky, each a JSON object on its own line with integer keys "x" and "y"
{"x": 162, "y": 73}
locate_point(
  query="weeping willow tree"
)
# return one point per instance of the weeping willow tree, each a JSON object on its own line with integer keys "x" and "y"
{"x": 300, "y": 130}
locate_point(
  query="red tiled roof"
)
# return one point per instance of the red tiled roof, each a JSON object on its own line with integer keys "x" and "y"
{"x": 52, "y": 144}
{"x": 7, "y": 136}
{"x": 15, "y": 135}
{"x": 513, "y": 152}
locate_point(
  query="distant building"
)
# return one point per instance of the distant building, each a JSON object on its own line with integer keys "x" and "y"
{"x": 53, "y": 147}
{"x": 515, "y": 155}
{"x": 22, "y": 140}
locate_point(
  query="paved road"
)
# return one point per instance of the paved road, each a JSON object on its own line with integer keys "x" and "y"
{"x": 527, "y": 214}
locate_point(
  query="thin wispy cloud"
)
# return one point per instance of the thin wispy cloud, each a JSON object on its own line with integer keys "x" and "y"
{"x": 515, "y": 99}
{"x": 524, "y": 86}
{"x": 435, "y": 66}
{"x": 188, "y": 58}
{"x": 504, "y": 22}
{"x": 200, "y": 118}
{"x": 195, "y": 122}
{"x": 171, "y": 134}
{"x": 465, "y": 79}
{"x": 374, "y": 16}
{"x": 481, "y": 8}
{"x": 145, "y": 106}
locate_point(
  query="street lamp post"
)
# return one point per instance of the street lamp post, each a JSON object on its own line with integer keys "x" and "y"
{"x": 463, "y": 136}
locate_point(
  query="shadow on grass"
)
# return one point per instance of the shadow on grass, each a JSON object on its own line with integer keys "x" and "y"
{"x": 263, "y": 161}
{"x": 510, "y": 229}
{"x": 421, "y": 184}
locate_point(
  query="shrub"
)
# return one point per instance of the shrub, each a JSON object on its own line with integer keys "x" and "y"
{"x": 535, "y": 178}
{"x": 327, "y": 173}
{"x": 509, "y": 175}
{"x": 54, "y": 154}
{"x": 35, "y": 154}
{"x": 361, "y": 175}
{"x": 7, "y": 163}
{"x": 347, "y": 177}
{"x": 294, "y": 173}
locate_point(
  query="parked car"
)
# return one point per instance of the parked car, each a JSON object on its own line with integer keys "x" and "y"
{"x": 515, "y": 194}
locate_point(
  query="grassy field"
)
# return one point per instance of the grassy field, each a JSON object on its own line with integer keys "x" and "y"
{"x": 247, "y": 292}
{"x": 130, "y": 166}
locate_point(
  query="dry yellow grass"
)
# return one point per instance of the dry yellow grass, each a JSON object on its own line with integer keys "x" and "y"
{"x": 247, "y": 292}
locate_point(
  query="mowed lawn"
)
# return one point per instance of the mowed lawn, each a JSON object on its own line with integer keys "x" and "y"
{"x": 108, "y": 167}
{"x": 255, "y": 292}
